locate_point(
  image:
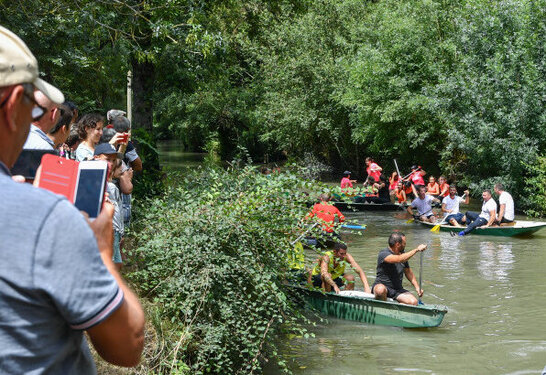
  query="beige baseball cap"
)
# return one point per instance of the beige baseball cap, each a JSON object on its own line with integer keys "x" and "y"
{"x": 18, "y": 65}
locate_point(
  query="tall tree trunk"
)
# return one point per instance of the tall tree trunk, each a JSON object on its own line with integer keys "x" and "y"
{"x": 143, "y": 109}
{"x": 143, "y": 86}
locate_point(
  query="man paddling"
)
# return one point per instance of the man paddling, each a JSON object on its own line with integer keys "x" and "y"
{"x": 329, "y": 273}
{"x": 392, "y": 265}
{"x": 423, "y": 204}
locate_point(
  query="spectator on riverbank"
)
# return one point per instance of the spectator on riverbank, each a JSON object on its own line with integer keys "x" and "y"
{"x": 57, "y": 278}
{"x": 37, "y": 137}
{"x": 59, "y": 133}
{"x": 90, "y": 130}
{"x": 392, "y": 265}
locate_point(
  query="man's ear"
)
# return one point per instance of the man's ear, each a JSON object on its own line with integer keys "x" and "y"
{"x": 15, "y": 99}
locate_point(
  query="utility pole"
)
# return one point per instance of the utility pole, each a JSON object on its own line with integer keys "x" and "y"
{"x": 129, "y": 96}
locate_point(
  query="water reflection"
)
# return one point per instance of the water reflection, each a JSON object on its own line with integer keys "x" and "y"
{"x": 496, "y": 261}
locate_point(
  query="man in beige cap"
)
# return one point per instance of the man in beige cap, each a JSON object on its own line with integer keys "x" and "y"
{"x": 57, "y": 278}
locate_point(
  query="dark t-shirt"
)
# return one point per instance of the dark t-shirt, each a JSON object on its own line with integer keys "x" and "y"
{"x": 389, "y": 274}
{"x": 384, "y": 191}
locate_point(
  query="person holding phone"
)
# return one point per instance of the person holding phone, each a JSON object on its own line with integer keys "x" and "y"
{"x": 57, "y": 278}
{"x": 90, "y": 130}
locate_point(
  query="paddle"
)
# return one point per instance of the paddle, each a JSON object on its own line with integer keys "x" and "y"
{"x": 420, "y": 276}
{"x": 436, "y": 228}
{"x": 303, "y": 234}
{"x": 353, "y": 226}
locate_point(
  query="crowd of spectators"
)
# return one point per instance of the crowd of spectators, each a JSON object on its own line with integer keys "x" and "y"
{"x": 59, "y": 271}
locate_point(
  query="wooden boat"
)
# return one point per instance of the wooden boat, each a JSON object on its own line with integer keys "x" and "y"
{"x": 520, "y": 228}
{"x": 362, "y": 307}
{"x": 349, "y": 206}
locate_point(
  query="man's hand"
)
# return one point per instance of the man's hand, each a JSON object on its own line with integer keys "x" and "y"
{"x": 421, "y": 247}
{"x": 336, "y": 289}
{"x": 104, "y": 230}
{"x": 420, "y": 292}
{"x": 367, "y": 290}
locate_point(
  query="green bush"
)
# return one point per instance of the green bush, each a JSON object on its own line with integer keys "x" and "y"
{"x": 211, "y": 255}
{"x": 535, "y": 188}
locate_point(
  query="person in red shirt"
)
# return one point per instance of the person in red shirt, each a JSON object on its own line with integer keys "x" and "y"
{"x": 347, "y": 183}
{"x": 373, "y": 169}
{"x": 326, "y": 213}
{"x": 432, "y": 187}
{"x": 400, "y": 193}
{"x": 416, "y": 176}
{"x": 444, "y": 187}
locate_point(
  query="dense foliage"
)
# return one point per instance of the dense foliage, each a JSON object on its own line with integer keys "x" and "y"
{"x": 211, "y": 255}
{"x": 455, "y": 86}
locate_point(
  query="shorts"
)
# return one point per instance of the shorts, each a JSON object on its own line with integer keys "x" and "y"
{"x": 116, "y": 258}
{"x": 458, "y": 218}
{"x": 317, "y": 281}
{"x": 392, "y": 293}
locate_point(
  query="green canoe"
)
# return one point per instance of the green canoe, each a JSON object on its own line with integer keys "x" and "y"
{"x": 520, "y": 228}
{"x": 365, "y": 309}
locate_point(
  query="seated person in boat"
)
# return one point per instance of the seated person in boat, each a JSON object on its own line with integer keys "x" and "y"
{"x": 370, "y": 187}
{"x": 330, "y": 273}
{"x": 400, "y": 193}
{"x": 326, "y": 214}
{"x": 444, "y": 186}
{"x": 485, "y": 218}
{"x": 416, "y": 178}
{"x": 393, "y": 182}
{"x": 382, "y": 195}
{"x": 432, "y": 187}
{"x": 506, "y": 206}
{"x": 450, "y": 206}
{"x": 392, "y": 265}
{"x": 347, "y": 184}
{"x": 423, "y": 204}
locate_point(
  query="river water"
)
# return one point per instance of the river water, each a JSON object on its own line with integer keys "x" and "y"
{"x": 493, "y": 287}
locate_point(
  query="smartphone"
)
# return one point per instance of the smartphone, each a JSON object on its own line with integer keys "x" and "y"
{"x": 91, "y": 187}
{"x": 28, "y": 162}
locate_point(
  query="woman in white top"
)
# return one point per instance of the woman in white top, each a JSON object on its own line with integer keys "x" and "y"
{"x": 90, "y": 130}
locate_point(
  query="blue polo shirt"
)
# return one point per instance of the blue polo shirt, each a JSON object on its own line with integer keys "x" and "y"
{"x": 38, "y": 140}
{"x": 53, "y": 283}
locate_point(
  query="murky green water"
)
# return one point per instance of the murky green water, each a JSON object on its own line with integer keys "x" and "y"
{"x": 494, "y": 288}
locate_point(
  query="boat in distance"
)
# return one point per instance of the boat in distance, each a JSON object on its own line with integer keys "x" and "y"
{"x": 364, "y": 206}
{"x": 519, "y": 228}
{"x": 363, "y": 307}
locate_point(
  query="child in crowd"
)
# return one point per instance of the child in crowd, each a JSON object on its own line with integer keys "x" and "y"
{"x": 432, "y": 187}
{"x": 400, "y": 193}
{"x": 444, "y": 187}
{"x": 347, "y": 184}
{"x": 115, "y": 197}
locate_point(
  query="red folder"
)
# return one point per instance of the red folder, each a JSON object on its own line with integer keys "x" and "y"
{"x": 59, "y": 175}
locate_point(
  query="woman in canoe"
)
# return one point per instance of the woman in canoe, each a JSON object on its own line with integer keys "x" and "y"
{"x": 444, "y": 187}
{"x": 432, "y": 187}
{"x": 400, "y": 193}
